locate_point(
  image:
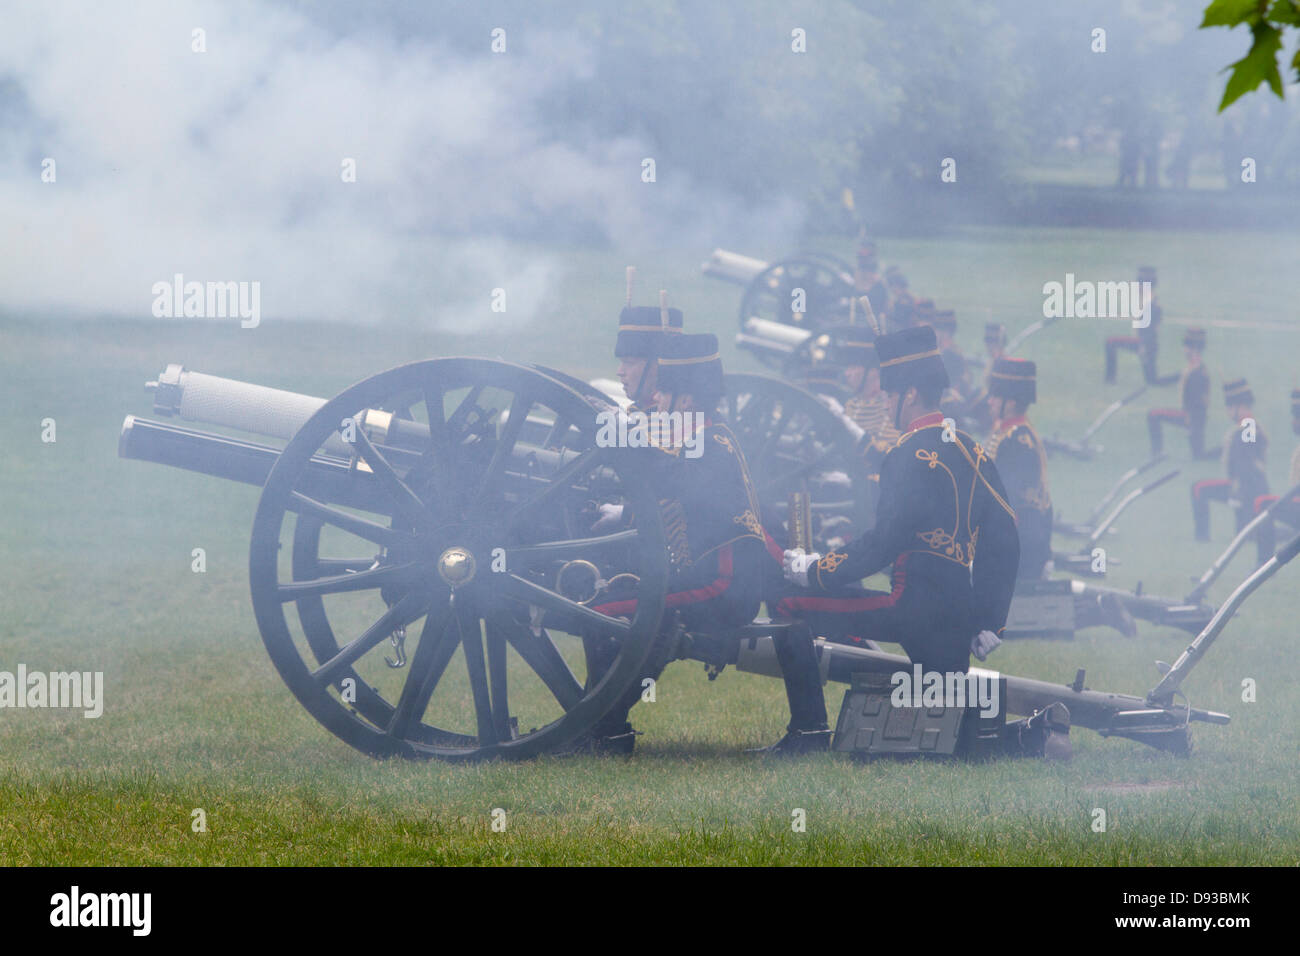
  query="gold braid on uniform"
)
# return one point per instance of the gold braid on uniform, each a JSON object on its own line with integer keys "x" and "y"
{"x": 750, "y": 522}
{"x": 679, "y": 547}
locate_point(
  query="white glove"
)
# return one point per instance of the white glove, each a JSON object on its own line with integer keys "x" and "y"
{"x": 984, "y": 643}
{"x": 795, "y": 565}
{"x": 1049, "y": 568}
{"x": 837, "y": 478}
{"x": 610, "y": 516}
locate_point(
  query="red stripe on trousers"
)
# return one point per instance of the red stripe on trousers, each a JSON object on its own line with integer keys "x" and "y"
{"x": 1209, "y": 483}
{"x": 789, "y": 606}
{"x": 679, "y": 598}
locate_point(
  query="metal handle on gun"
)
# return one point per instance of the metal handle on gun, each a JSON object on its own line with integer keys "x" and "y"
{"x": 1168, "y": 686}
{"x": 1129, "y": 498}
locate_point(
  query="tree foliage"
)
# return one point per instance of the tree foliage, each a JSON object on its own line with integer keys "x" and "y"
{"x": 1267, "y": 19}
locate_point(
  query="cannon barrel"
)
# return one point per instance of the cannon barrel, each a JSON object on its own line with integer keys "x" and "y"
{"x": 732, "y": 267}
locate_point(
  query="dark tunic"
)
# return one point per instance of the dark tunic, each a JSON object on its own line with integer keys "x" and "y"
{"x": 1022, "y": 464}
{"x": 945, "y": 526}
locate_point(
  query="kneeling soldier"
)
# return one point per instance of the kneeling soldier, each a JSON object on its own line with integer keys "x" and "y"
{"x": 1243, "y": 457}
{"x": 943, "y": 523}
{"x": 1194, "y": 386}
{"x": 716, "y": 546}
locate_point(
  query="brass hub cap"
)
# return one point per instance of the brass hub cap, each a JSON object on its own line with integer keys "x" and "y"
{"x": 456, "y": 566}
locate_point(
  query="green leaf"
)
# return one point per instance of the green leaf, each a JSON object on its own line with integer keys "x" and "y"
{"x": 1256, "y": 67}
{"x": 1229, "y": 13}
{"x": 1285, "y": 11}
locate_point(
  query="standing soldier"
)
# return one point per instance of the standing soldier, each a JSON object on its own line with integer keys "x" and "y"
{"x": 1146, "y": 342}
{"x": 1244, "y": 448}
{"x": 943, "y": 523}
{"x": 1022, "y": 462}
{"x": 1194, "y": 387}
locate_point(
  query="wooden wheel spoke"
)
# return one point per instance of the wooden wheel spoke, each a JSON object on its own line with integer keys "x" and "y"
{"x": 471, "y": 641}
{"x": 343, "y": 583}
{"x": 403, "y": 612}
{"x": 343, "y": 565}
{"x": 540, "y": 653}
{"x": 438, "y": 642}
{"x": 529, "y": 593}
{"x": 361, "y": 527}
{"x": 407, "y": 502}
{"x": 520, "y": 405}
{"x": 558, "y": 483}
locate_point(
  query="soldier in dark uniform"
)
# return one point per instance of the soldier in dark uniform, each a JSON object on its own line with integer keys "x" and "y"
{"x": 1195, "y": 391}
{"x": 1021, "y": 460}
{"x": 865, "y": 409}
{"x": 1244, "y": 448}
{"x": 1145, "y": 343}
{"x": 1018, "y": 452}
{"x": 943, "y": 523}
{"x": 716, "y": 545}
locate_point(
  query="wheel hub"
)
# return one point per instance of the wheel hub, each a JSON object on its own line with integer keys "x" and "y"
{"x": 456, "y": 566}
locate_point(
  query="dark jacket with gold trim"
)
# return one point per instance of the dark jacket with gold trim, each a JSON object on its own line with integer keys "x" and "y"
{"x": 941, "y": 503}
{"x": 709, "y": 502}
{"x": 1021, "y": 460}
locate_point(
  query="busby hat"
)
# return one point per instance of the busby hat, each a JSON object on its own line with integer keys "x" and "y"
{"x": 641, "y": 331}
{"x": 853, "y": 345}
{"x": 690, "y": 363}
{"x": 1016, "y": 379}
{"x": 910, "y": 358}
{"x": 994, "y": 333}
{"x": 1237, "y": 393}
{"x": 1194, "y": 338}
{"x": 1147, "y": 274}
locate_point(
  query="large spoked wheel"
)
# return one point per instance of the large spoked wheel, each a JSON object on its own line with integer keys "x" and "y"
{"x": 424, "y": 551}
{"x": 827, "y": 291}
{"x": 793, "y": 443}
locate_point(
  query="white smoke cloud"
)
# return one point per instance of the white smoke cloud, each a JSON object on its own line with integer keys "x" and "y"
{"x": 225, "y": 165}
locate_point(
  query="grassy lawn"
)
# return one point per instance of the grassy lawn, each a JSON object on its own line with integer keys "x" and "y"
{"x": 95, "y": 554}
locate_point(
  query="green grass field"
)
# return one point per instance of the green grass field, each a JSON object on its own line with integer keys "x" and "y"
{"x": 95, "y": 556}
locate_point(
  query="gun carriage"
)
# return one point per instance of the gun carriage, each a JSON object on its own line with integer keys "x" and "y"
{"x": 455, "y": 497}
